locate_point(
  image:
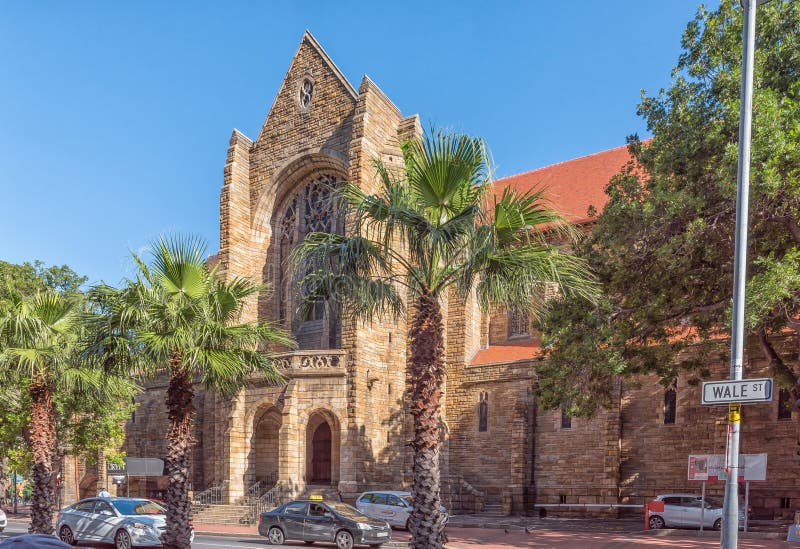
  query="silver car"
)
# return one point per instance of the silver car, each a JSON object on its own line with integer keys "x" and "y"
{"x": 392, "y": 506}
{"x": 686, "y": 510}
{"x": 125, "y": 522}
{"x": 3, "y": 520}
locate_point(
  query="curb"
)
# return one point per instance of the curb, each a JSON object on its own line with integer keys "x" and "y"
{"x": 389, "y": 544}
{"x": 227, "y": 534}
{"x": 670, "y": 532}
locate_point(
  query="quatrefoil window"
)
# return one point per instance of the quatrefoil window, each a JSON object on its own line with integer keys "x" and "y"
{"x": 306, "y": 94}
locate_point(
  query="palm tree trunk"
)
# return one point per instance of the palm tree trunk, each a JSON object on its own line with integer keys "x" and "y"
{"x": 42, "y": 440}
{"x": 4, "y": 482}
{"x": 427, "y": 375}
{"x": 180, "y": 411}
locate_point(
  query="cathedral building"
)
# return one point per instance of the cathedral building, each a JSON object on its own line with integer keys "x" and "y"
{"x": 339, "y": 422}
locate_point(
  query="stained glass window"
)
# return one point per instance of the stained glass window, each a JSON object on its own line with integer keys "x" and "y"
{"x": 311, "y": 208}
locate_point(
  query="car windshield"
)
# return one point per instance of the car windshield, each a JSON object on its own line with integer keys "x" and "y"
{"x": 138, "y": 507}
{"x": 407, "y": 499}
{"x": 346, "y": 510}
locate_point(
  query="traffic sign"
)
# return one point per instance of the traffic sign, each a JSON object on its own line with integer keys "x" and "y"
{"x": 733, "y": 391}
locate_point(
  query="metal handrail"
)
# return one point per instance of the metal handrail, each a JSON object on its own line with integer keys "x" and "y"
{"x": 265, "y": 502}
{"x": 212, "y": 496}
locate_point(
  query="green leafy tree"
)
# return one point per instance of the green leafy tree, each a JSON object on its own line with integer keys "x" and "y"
{"x": 40, "y": 338}
{"x": 430, "y": 230}
{"x": 17, "y": 281}
{"x": 84, "y": 426}
{"x": 663, "y": 245}
{"x": 178, "y": 318}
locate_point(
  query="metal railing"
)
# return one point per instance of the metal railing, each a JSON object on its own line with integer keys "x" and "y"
{"x": 258, "y": 489}
{"x": 460, "y": 495}
{"x": 212, "y": 496}
{"x": 265, "y": 502}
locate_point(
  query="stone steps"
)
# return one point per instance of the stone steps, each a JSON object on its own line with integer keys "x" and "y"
{"x": 492, "y": 510}
{"x": 220, "y": 514}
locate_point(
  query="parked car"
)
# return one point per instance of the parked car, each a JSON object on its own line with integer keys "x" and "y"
{"x": 124, "y": 522}
{"x": 39, "y": 541}
{"x": 686, "y": 510}
{"x": 3, "y": 520}
{"x": 392, "y": 506}
{"x": 317, "y": 520}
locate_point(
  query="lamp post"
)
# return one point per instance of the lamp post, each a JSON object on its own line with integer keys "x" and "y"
{"x": 14, "y": 490}
{"x": 730, "y": 513}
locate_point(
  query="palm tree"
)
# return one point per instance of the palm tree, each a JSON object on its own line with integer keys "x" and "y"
{"x": 177, "y": 317}
{"x": 40, "y": 338}
{"x": 431, "y": 229}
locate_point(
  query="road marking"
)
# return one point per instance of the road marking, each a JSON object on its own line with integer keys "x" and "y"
{"x": 238, "y": 544}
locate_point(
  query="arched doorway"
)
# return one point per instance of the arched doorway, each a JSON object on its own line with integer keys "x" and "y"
{"x": 321, "y": 454}
{"x": 322, "y": 448}
{"x": 264, "y": 447}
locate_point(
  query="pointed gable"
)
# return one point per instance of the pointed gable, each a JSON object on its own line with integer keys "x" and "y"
{"x": 312, "y": 111}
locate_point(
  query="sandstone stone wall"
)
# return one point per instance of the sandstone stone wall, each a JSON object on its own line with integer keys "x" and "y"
{"x": 625, "y": 454}
{"x": 654, "y": 455}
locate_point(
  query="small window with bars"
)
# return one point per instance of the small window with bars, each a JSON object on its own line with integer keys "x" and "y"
{"x": 566, "y": 416}
{"x": 519, "y": 323}
{"x": 670, "y": 405}
{"x": 785, "y": 404}
{"x": 483, "y": 413}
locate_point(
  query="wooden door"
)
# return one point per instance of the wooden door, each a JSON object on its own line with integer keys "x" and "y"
{"x": 321, "y": 456}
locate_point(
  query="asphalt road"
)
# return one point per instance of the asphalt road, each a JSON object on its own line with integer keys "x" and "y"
{"x": 200, "y": 541}
{"x": 480, "y": 538}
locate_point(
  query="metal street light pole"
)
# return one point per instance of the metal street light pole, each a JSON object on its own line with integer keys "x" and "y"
{"x": 730, "y": 513}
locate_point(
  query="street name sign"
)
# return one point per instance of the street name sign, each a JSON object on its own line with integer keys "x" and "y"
{"x": 737, "y": 391}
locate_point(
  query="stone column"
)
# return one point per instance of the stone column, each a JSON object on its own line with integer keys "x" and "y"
{"x": 235, "y": 451}
{"x": 290, "y": 472}
{"x": 70, "y": 491}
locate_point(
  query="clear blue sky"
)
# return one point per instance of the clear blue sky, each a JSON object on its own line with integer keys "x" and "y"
{"x": 114, "y": 117}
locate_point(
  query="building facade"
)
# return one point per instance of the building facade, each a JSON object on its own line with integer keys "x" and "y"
{"x": 340, "y": 422}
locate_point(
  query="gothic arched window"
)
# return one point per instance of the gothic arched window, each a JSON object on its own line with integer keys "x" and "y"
{"x": 311, "y": 208}
{"x": 483, "y": 412}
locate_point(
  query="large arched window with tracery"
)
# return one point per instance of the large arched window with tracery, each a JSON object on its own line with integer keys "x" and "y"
{"x": 310, "y": 208}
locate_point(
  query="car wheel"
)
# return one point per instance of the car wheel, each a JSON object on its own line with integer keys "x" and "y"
{"x": 275, "y": 536}
{"x": 656, "y": 522}
{"x": 122, "y": 540}
{"x": 717, "y": 524}
{"x": 65, "y": 535}
{"x": 344, "y": 540}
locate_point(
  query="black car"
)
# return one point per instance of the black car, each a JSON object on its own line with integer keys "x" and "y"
{"x": 313, "y": 520}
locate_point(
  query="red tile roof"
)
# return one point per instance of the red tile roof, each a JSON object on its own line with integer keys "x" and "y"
{"x": 571, "y": 187}
{"x": 574, "y": 185}
{"x": 512, "y": 351}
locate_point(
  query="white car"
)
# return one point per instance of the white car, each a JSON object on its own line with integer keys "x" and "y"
{"x": 3, "y": 520}
{"x": 686, "y": 510}
{"x": 124, "y": 522}
{"x": 392, "y": 506}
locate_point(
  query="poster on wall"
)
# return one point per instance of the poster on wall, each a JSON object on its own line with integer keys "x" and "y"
{"x": 711, "y": 467}
{"x": 698, "y": 467}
